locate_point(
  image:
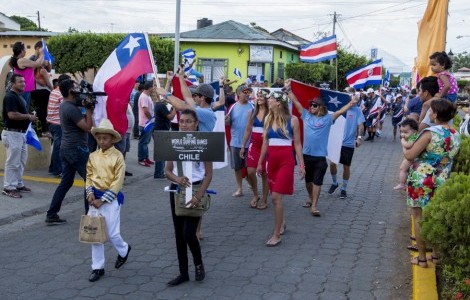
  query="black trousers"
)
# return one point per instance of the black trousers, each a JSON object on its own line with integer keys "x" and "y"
{"x": 185, "y": 235}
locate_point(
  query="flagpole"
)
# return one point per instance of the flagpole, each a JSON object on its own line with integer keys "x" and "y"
{"x": 177, "y": 36}
{"x": 336, "y": 72}
{"x": 152, "y": 61}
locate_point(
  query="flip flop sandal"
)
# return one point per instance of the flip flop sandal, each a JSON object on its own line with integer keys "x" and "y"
{"x": 268, "y": 244}
{"x": 433, "y": 259}
{"x": 316, "y": 213}
{"x": 307, "y": 204}
{"x": 237, "y": 194}
{"x": 262, "y": 206}
{"x": 254, "y": 204}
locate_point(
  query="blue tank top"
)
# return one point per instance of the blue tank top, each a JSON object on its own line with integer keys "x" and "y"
{"x": 278, "y": 134}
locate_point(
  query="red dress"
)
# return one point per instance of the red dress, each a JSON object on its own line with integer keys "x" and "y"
{"x": 281, "y": 162}
{"x": 256, "y": 142}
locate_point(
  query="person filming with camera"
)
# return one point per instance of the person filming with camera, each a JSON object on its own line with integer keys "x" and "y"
{"x": 74, "y": 150}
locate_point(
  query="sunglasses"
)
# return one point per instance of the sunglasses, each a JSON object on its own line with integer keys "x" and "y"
{"x": 246, "y": 92}
{"x": 314, "y": 105}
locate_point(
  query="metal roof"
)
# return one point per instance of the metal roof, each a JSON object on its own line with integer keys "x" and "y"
{"x": 30, "y": 33}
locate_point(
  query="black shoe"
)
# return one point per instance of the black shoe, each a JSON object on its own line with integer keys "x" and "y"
{"x": 95, "y": 275}
{"x": 55, "y": 220}
{"x": 200, "y": 273}
{"x": 333, "y": 188}
{"x": 178, "y": 280}
{"x": 343, "y": 194}
{"x": 128, "y": 174}
{"x": 122, "y": 260}
{"x": 368, "y": 139}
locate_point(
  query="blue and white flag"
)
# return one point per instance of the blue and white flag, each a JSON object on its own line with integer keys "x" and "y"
{"x": 32, "y": 138}
{"x": 149, "y": 125}
{"x": 259, "y": 78}
{"x": 47, "y": 55}
{"x": 386, "y": 82}
{"x": 237, "y": 73}
{"x": 188, "y": 59}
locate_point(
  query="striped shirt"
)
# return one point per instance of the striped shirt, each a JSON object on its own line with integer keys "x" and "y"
{"x": 55, "y": 99}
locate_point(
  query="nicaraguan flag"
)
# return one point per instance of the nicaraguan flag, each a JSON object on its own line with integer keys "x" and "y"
{"x": 117, "y": 76}
{"x": 387, "y": 79}
{"x": 32, "y": 138}
{"x": 237, "y": 73}
{"x": 149, "y": 125}
{"x": 259, "y": 78}
{"x": 318, "y": 51}
{"x": 367, "y": 75}
{"x": 47, "y": 55}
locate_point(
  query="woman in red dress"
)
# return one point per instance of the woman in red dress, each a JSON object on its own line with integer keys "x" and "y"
{"x": 254, "y": 131}
{"x": 280, "y": 129}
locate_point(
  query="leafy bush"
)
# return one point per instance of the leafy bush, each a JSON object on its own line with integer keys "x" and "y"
{"x": 462, "y": 159}
{"x": 310, "y": 73}
{"x": 446, "y": 226}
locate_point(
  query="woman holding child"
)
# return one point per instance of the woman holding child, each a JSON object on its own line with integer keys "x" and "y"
{"x": 432, "y": 156}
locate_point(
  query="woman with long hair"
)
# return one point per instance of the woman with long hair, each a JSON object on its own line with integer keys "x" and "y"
{"x": 185, "y": 227}
{"x": 254, "y": 131}
{"x": 25, "y": 67}
{"x": 432, "y": 155}
{"x": 280, "y": 129}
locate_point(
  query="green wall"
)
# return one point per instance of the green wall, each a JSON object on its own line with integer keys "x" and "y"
{"x": 240, "y": 60}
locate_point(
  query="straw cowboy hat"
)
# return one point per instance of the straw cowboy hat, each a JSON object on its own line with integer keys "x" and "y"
{"x": 106, "y": 127}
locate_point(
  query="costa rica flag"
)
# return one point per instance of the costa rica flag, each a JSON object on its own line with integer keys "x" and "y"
{"x": 318, "y": 51}
{"x": 370, "y": 74}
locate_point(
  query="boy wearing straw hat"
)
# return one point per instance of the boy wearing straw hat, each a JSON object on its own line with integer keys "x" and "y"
{"x": 104, "y": 179}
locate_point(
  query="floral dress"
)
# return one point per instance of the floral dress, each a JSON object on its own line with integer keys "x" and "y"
{"x": 432, "y": 167}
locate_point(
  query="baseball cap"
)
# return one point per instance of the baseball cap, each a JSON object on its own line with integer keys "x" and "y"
{"x": 317, "y": 100}
{"x": 243, "y": 87}
{"x": 370, "y": 90}
{"x": 206, "y": 90}
{"x": 193, "y": 89}
{"x": 398, "y": 95}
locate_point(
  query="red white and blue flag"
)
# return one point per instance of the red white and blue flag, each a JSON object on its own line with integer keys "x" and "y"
{"x": 334, "y": 101}
{"x": 117, "y": 76}
{"x": 318, "y": 51}
{"x": 370, "y": 74}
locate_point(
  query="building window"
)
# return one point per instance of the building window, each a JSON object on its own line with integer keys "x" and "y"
{"x": 280, "y": 54}
{"x": 5, "y": 46}
{"x": 212, "y": 69}
{"x": 292, "y": 57}
{"x": 255, "y": 69}
{"x": 280, "y": 70}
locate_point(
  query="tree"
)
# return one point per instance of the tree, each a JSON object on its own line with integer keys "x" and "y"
{"x": 347, "y": 62}
{"x": 26, "y": 24}
{"x": 310, "y": 73}
{"x": 461, "y": 60}
{"x": 77, "y": 53}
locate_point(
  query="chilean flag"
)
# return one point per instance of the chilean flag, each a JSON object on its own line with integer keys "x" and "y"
{"x": 334, "y": 101}
{"x": 117, "y": 76}
{"x": 318, "y": 51}
{"x": 367, "y": 75}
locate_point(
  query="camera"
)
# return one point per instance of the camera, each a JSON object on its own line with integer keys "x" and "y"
{"x": 85, "y": 96}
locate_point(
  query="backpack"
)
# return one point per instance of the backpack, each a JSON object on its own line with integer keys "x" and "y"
{"x": 464, "y": 127}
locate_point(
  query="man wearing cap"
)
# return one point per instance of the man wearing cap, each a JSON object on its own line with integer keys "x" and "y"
{"x": 199, "y": 100}
{"x": 352, "y": 137}
{"x": 74, "y": 150}
{"x": 373, "y": 114}
{"x": 237, "y": 119}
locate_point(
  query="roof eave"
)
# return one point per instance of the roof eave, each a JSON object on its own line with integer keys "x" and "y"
{"x": 242, "y": 41}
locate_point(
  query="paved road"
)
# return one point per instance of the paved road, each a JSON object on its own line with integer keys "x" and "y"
{"x": 355, "y": 250}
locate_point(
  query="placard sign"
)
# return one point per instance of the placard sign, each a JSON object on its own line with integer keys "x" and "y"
{"x": 189, "y": 146}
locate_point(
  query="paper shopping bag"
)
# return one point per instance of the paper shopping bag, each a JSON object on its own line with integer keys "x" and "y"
{"x": 93, "y": 230}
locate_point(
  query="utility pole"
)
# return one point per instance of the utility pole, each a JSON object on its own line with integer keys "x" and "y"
{"x": 39, "y": 20}
{"x": 335, "y": 19}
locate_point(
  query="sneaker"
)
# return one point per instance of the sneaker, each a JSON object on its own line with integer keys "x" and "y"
{"x": 343, "y": 194}
{"x": 12, "y": 193}
{"x": 55, "y": 220}
{"x": 23, "y": 189}
{"x": 333, "y": 188}
{"x": 150, "y": 162}
{"x": 144, "y": 163}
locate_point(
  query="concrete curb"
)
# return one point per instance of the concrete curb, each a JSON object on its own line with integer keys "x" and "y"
{"x": 424, "y": 279}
